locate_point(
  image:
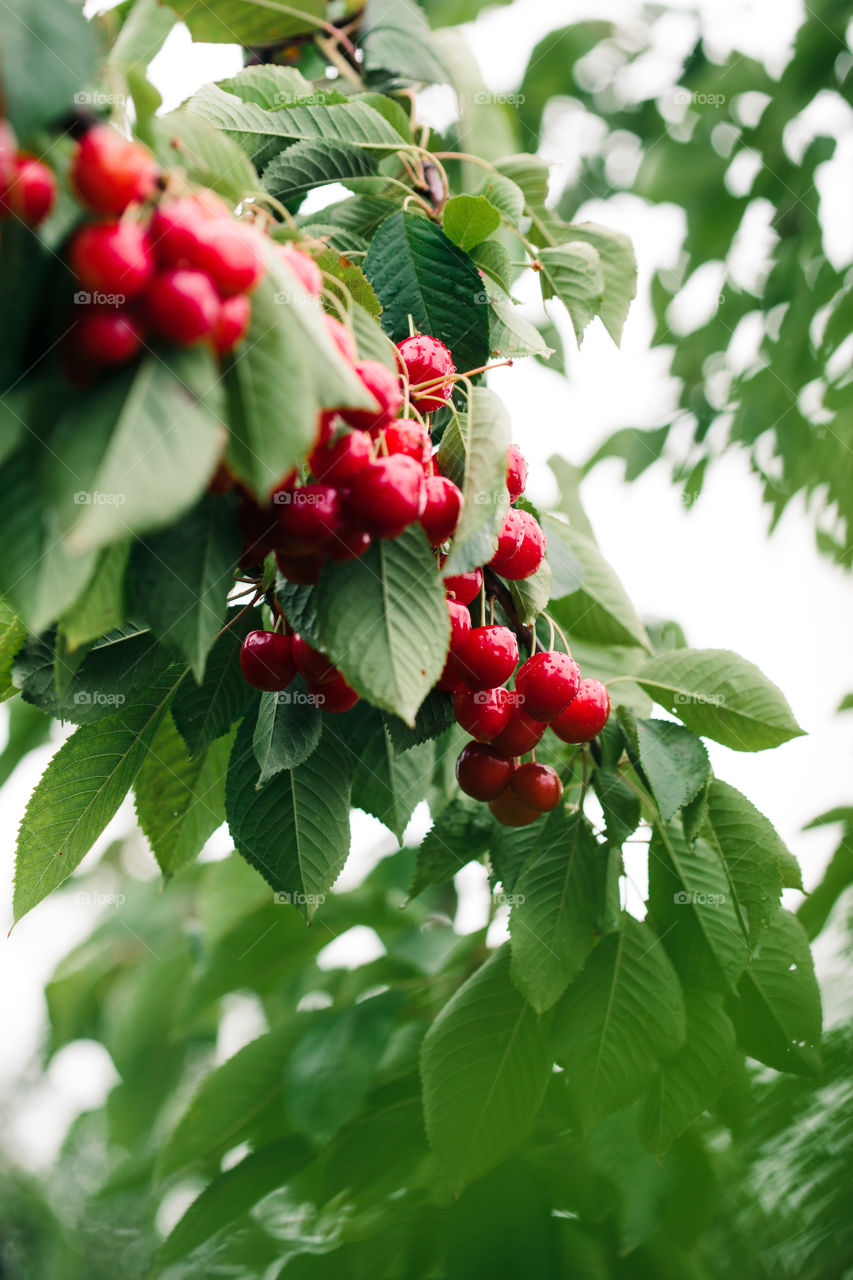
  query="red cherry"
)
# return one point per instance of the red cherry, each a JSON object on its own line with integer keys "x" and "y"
{"x": 487, "y": 657}
{"x": 408, "y": 437}
{"x": 482, "y": 714}
{"x": 426, "y": 359}
{"x": 232, "y": 254}
{"x": 30, "y": 191}
{"x": 109, "y": 172}
{"x": 266, "y": 660}
{"x": 584, "y": 717}
{"x": 509, "y": 538}
{"x": 336, "y": 463}
{"x": 460, "y": 623}
{"x": 524, "y": 562}
{"x": 112, "y": 257}
{"x": 342, "y": 338}
{"x": 464, "y": 586}
{"x": 182, "y": 305}
{"x": 538, "y": 786}
{"x": 106, "y": 335}
{"x": 510, "y": 811}
{"x": 304, "y": 268}
{"x": 522, "y": 732}
{"x": 442, "y": 510}
{"x": 232, "y": 324}
{"x": 311, "y": 663}
{"x": 260, "y": 528}
{"x": 334, "y": 696}
{"x": 482, "y": 772}
{"x": 177, "y": 226}
{"x": 384, "y": 386}
{"x": 546, "y": 683}
{"x": 386, "y": 495}
{"x": 448, "y": 681}
{"x": 312, "y": 513}
{"x": 516, "y": 472}
{"x": 349, "y": 543}
{"x": 304, "y": 570}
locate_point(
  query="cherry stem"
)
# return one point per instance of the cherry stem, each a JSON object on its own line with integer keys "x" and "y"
{"x": 260, "y": 593}
{"x": 555, "y": 627}
{"x": 525, "y": 635}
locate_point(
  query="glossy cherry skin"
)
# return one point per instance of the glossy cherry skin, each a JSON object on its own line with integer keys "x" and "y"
{"x": 487, "y": 657}
{"x": 266, "y": 660}
{"x": 405, "y": 435}
{"x": 509, "y": 537}
{"x": 384, "y": 386}
{"x": 232, "y": 254}
{"x": 481, "y": 772}
{"x": 426, "y": 359}
{"x": 511, "y": 812}
{"x": 109, "y": 172}
{"x": 338, "y": 461}
{"x": 112, "y": 257}
{"x": 31, "y": 191}
{"x": 312, "y": 513}
{"x": 483, "y": 714}
{"x": 232, "y": 324}
{"x": 523, "y": 562}
{"x": 182, "y": 305}
{"x": 442, "y": 511}
{"x": 584, "y": 717}
{"x": 460, "y": 623}
{"x": 341, "y": 337}
{"x": 464, "y": 587}
{"x": 310, "y": 663}
{"x": 521, "y": 734}
{"x": 546, "y": 683}
{"x": 516, "y": 472}
{"x": 304, "y": 268}
{"x": 334, "y": 696}
{"x": 537, "y": 786}
{"x": 106, "y": 335}
{"x": 349, "y": 543}
{"x": 177, "y": 228}
{"x": 386, "y": 496}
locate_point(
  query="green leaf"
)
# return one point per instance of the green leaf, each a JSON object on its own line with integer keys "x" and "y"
{"x": 473, "y": 454}
{"x": 510, "y": 335}
{"x": 235, "y": 22}
{"x": 778, "y": 1016}
{"x": 180, "y": 801}
{"x": 13, "y": 634}
{"x": 459, "y": 834}
{"x": 619, "y": 803}
{"x": 383, "y": 621}
{"x": 599, "y": 609}
{"x": 674, "y": 761}
{"x": 396, "y": 40}
{"x": 418, "y": 271}
{"x": 181, "y": 578}
{"x": 752, "y": 851}
{"x": 558, "y": 902}
{"x": 143, "y": 33}
{"x": 81, "y": 790}
{"x": 720, "y": 695}
{"x": 469, "y": 220}
{"x": 314, "y": 163}
{"x": 485, "y": 1064}
{"x": 692, "y": 1080}
{"x": 295, "y": 831}
{"x": 47, "y": 52}
{"x": 573, "y": 273}
{"x": 204, "y": 712}
{"x": 434, "y": 716}
{"x": 531, "y": 595}
{"x": 492, "y": 258}
{"x": 619, "y": 267}
{"x": 102, "y": 606}
{"x": 619, "y": 1021}
{"x": 505, "y": 195}
{"x": 207, "y": 155}
{"x": 530, "y": 175}
{"x": 287, "y": 731}
{"x": 386, "y": 784}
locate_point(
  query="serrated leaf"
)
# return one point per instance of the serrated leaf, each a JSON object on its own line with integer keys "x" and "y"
{"x": 619, "y": 267}
{"x": 752, "y": 851}
{"x": 531, "y": 595}
{"x": 102, "y": 606}
{"x": 396, "y": 40}
{"x": 510, "y": 334}
{"x": 295, "y": 831}
{"x": 674, "y": 761}
{"x": 778, "y": 1016}
{"x": 619, "y": 1021}
{"x": 720, "y": 695}
{"x": 435, "y": 715}
{"x": 209, "y": 157}
{"x": 233, "y": 21}
{"x": 492, "y": 258}
{"x": 13, "y": 634}
{"x": 485, "y": 1064}
{"x": 530, "y": 175}
{"x": 460, "y": 833}
{"x": 473, "y": 454}
{"x": 599, "y": 609}
{"x": 558, "y": 900}
{"x": 386, "y": 784}
{"x": 620, "y": 805}
{"x": 287, "y": 731}
{"x": 574, "y": 274}
{"x": 469, "y": 220}
{"x": 314, "y": 163}
{"x": 505, "y": 195}
{"x": 204, "y": 712}
{"x": 383, "y": 621}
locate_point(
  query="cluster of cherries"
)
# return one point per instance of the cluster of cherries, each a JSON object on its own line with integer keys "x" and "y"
{"x": 27, "y": 185}
{"x": 271, "y": 660}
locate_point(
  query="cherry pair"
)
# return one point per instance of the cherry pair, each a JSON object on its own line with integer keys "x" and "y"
{"x": 270, "y": 661}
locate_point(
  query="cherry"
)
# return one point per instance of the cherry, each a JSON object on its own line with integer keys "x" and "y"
{"x": 523, "y": 562}
{"x": 232, "y": 324}
{"x": 407, "y": 436}
{"x": 232, "y": 254}
{"x": 112, "y": 257}
{"x": 487, "y": 657}
{"x": 387, "y": 495}
{"x": 509, "y": 538}
{"x": 349, "y": 543}
{"x": 460, "y": 623}
{"x": 442, "y": 510}
{"x": 304, "y": 268}
{"x": 586, "y": 715}
{"x": 482, "y": 772}
{"x": 521, "y": 733}
{"x": 334, "y": 695}
{"x": 109, "y": 172}
{"x": 177, "y": 228}
{"x": 426, "y": 359}
{"x": 266, "y": 660}
{"x": 30, "y": 191}
{"x": 312, "y": 515}
{"x": 538, "y": 786}
{"x": 338, "y": 462}
{"x": 384, "y": 386}
{"x": 304, "y": 570}
{"x": 510, "y": 811}
{"x": 546, "y": 683}
{"x": 106, "y": 335}
{"x": 465, "y": 586}
{"x": 516, "y": 472}
{"x": 448, "y": 681}
{"x": 182, "y": 305}
{"x": 311, "y": 663}
{"x": 342, "y": 338}
{"x": 482, "y": 714}
{"x": 260, "y": 528}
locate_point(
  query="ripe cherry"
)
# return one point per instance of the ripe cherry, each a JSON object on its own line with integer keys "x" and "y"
{"x": 232, "y": 324}
{"x": 109, "y": 172}
{"x": 106, "y": 335}
{"x": 266, "y": 660}
{"x": 521, "y": 733}
{"x": 584, "y": 717}
{"x": 509, "y": 538}
{"x": 460, "y": 623}
{"x": 342, "y": 338}
{"x": 482, "y": 772}
{"x": 387, "y": 495}
{"x": 311, "y": 663}
{"x": 537, "y": 786}
{"x": 112, "y": 257}
{"x": 516, "y": 472}
{"x": 304, "y": 268}
{"x": 546, "y": 683}
{"x": 232, "y": 254}
{"x": 337, "y": 462}
{"x": 30, "y": 192}
{"x": 407, "y": 436}
{"x": 464, "y": 587}
{"x": 442, "y": 510}
{"x": 523, "y": 562}
{"x": 349, "y": 543}
{"x": 334, "y": 695}
{"x": 426, "y": 359}
{"x": 384, "y": 386}
{"x": 182, "y": 305}
{"x": 487, "y": 657}
{"x": 511, "y": 812}
{"x": 482, "y": 714}
{"x": 312, "y": 515}
{"x": 177, "y": 228}
{"x": 304, "y": 570}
